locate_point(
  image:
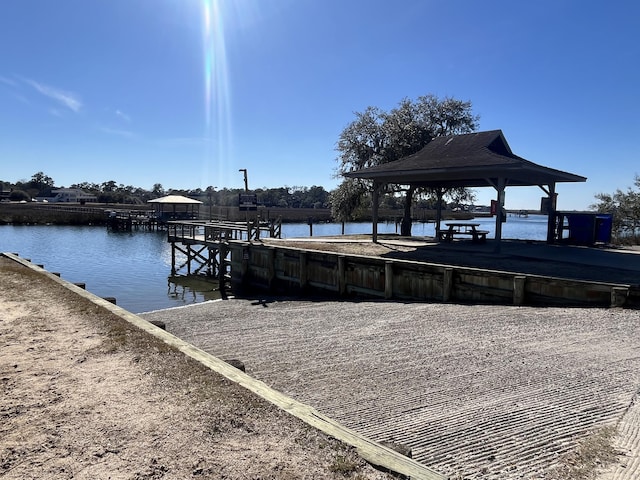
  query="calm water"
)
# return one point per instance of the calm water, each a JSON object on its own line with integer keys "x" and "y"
{"x": 533, "y": 227}
{"x": 135, "y": 267}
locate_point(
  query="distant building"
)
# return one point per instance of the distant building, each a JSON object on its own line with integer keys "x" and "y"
{"x": 4, "y": 194}
{"x": 72, "y": 195}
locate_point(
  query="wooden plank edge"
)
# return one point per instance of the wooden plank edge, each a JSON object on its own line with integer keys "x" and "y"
{"x": 368, "y": 449}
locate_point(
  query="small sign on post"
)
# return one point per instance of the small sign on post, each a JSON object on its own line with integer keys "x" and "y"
{"x": 248, "y": 202}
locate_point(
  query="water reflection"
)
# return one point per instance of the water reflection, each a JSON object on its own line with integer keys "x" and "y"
{"x": 135, "y": 267}
{"x": 193, "y": 288}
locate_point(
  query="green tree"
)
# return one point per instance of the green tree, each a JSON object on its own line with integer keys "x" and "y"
{"x": 625, "y": 207}
{"x": 109, "y": 186}
{"x": 158, "y": 190}
{"x": 376, "y": 137}
{"x": 348, "y": 200}
{"x": 19, "y": 195}
{"x": 317, "y": 197}
{"x": 87, "y": 187}
{"x": 40, "y": 185}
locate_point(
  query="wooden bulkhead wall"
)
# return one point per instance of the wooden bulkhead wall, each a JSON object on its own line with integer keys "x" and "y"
{"x": 284, "y": 270}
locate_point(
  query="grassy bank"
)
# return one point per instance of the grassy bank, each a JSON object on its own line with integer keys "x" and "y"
{"x": 75, "y": 214}
{"x": 39, "y": 214}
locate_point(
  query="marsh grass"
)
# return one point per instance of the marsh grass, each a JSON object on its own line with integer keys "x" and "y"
{"x": 344, "y": 465}
{"x": 593, "y": 453}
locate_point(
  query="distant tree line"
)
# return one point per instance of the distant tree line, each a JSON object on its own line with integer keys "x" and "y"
{"x": 42, "y": 186}
{"x": 374, "y": 137}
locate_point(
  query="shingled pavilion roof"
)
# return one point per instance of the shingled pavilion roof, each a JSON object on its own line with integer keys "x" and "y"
{"x": 470, "y": 160}
{"x": 480, "y": 159}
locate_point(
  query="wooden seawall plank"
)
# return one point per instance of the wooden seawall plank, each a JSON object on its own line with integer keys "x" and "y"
{"x": 278, "y": 269}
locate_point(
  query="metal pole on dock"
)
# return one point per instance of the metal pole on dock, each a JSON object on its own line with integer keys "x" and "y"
{"x": 246, "y": 213}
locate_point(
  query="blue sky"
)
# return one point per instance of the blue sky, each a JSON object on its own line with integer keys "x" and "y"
{"x": 186, "y": 92}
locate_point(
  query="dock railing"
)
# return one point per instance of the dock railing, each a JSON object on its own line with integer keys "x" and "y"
{"x": 203, "y": 244}
{"x": 209, "y": 231}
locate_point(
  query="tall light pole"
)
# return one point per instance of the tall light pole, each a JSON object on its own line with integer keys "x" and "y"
{"x": 246, "y": 182}
{"x": 246, "y": 213}
{"x": 210, "y": 190}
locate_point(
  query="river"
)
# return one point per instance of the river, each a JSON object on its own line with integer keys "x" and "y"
{"x": 135, "y": 267}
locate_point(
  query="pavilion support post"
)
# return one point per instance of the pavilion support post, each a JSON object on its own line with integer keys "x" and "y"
{"x": 500, "y": 187}
{"x": 439, "y": 193}
{"x": 375, "y": 199}
{"x": 551, "y": 218}
{"x": 173, "y": 258}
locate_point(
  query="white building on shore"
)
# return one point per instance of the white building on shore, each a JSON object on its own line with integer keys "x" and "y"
{"x": 72, "y": 195}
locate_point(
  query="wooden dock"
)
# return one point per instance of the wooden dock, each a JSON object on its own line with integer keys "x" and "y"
{"x": 130, "y": 220}
{"x": 202, "y": 246}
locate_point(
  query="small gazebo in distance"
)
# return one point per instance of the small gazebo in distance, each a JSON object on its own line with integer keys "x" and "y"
{"x": 176, "y": 207}
{"x": 480, "y": 159}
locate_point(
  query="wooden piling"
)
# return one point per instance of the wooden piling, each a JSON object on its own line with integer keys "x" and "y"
{"x": 303, "y": 271}
{"x": 518, "y": 289}
{"x": 342, "y": 281}
{"x": 447, "y": 284}
{"x": 388, "y": 279}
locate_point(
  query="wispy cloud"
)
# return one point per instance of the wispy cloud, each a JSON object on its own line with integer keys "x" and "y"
{"x": 66, "y": 99}
{"x": 183, "y": 141}
{"x": 120, "y": 114}
{"x": 119, "y": 133}
{"x": 8, "y": 81}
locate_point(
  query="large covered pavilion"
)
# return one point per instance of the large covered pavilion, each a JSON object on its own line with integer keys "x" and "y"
{"x": 471, "y": 160}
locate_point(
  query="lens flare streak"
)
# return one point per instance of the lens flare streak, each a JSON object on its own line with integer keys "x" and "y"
{"x": 216, "y": 90}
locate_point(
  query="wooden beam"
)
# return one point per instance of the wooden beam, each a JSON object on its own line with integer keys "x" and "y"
{"x": 447, "y": 284}
{"x": 388, "y": 279}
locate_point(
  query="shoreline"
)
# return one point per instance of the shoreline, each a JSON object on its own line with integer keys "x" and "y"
{"x": 110, "y": 394}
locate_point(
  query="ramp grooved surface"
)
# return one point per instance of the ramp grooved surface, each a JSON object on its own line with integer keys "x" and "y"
{"x": 485, "y": 391}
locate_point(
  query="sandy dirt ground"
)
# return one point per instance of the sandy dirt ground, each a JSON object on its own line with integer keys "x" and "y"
{"x": 85, "y": 396}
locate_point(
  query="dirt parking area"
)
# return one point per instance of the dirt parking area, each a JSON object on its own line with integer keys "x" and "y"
{"x": 476, "y": 391}
{"x": 86, "y": 396}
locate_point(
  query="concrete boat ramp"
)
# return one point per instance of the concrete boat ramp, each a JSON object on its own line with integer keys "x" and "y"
{"x": 476, "y": 391}
{"x": 481, "y": 391}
